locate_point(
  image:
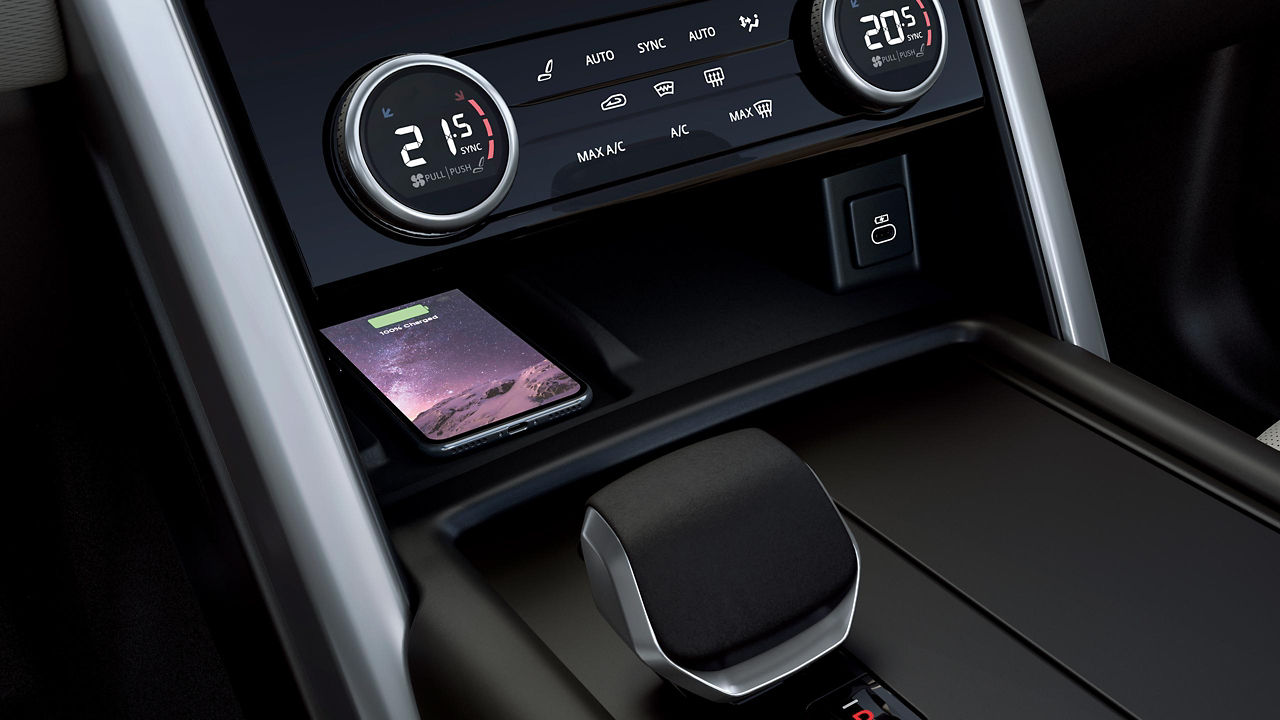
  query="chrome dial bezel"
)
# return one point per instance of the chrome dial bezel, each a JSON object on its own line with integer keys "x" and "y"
{"x": 371, "y": 194}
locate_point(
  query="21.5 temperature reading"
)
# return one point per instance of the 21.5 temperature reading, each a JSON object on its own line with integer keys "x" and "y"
{"x": 891, "y": 24}
{"x": 449, "y": 135}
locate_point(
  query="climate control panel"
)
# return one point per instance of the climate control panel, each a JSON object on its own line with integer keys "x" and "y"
{"x": 400, "y": 129}
{"x": 430, "y": 146}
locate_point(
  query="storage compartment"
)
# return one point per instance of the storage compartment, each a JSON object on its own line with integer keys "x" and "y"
{"x": 657, "y": 296}
{"x": 1035, "y": 545}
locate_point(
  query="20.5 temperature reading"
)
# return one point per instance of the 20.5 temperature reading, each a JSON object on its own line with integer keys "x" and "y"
{"x": 892, "y": 24}
{"x": 902, "y": 50}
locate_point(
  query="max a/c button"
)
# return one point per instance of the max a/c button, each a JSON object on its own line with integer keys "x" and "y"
{"x": 881, "y": 224}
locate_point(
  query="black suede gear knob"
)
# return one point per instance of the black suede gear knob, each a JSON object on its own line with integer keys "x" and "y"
{"x": 734, "y": 544}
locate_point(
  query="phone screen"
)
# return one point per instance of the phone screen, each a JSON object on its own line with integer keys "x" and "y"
{"x": 450, "y": 367}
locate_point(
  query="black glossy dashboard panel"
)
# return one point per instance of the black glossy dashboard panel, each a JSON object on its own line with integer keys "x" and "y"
{"x": 737, "y": 99}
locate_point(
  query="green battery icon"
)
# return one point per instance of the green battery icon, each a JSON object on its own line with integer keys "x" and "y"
{"x": 399, "y": 316}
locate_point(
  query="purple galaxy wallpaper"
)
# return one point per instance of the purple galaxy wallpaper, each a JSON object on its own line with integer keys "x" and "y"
{"x": 452, "y": 368}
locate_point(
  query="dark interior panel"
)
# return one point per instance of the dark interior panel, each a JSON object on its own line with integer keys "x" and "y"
{"x": 1166, "y": 144}
{"x": 939, "y": 652}
{"x": 1086, "y": 46}
{"x": 110, "y": 605}
{"x": 1042, "y": 530}
{"x": 974, "y": 479}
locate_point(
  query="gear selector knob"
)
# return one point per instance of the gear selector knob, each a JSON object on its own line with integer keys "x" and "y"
{"x": 725, "y": 565}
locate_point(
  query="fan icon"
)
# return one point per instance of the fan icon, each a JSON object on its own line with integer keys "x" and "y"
{"x": 877, "y": 61}
{"x": 418, "y": 180}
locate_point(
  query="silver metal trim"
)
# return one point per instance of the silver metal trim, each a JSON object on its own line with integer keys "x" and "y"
{"x": 247, "y": 365}
{"x": 1271, "y": 436}
{"x": 617, "y": 595}
{"x": 357, "y": 166}
{"x": 1046, "y": 183}
{"x": 880, "y": 97}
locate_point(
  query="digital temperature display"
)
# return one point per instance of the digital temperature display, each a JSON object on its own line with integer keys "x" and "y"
{"x": 434, "y": 140}
{"x": 893, "y": 44}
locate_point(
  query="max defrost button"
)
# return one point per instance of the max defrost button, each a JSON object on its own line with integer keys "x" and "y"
{"x": 881, "y": 227}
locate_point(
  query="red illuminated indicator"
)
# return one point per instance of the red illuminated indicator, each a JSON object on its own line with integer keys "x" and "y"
{"x": 489, "y": 130}
{"x": 927, "y": 22}
{"x": 864, "y": 715}
{"x": 487, "y": 127}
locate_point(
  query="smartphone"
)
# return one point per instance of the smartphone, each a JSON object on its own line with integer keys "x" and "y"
{"x": 457, "y": 376}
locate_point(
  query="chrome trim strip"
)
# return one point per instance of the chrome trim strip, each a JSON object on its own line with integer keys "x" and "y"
{"x": 248, "y": 366}
{"x": 1046, "y": 183}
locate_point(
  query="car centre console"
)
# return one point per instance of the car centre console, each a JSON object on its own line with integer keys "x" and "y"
{"x": 807, "y": 270}
{"x": 490, "y": 118}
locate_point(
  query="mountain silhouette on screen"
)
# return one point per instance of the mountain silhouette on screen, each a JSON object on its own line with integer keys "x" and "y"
{"x": 493, "y": 401}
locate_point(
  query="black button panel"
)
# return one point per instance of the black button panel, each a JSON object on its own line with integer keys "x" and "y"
{"x": 718, "y": 107}
{"x": 704, "y": 84}
{"x": 881, "y": 224}
{"x": 663, "y": 91}
{"x": 291, "y": 80}
{"x": 567, "y": 62}
{"x": 607, "y": 103}
{"x": 653, "y": 141}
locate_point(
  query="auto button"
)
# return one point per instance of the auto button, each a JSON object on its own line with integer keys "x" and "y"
{"x": 567, "y": 62}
